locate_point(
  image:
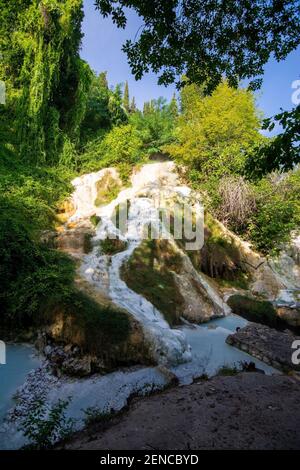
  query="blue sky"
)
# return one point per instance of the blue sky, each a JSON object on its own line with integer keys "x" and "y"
{"x": 101, "y": 48}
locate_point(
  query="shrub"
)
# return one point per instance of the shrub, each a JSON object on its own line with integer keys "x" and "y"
{"x": 94, "y": 415}
{"x": 30, "y": 272}
{"x": 228, "y": 371}
{"x": 259, "y": 311}
{"x": 237, "y": 202}
{"x": 44, "y": 426}
{"x": 278, "y": 211}
{"x": 121, "y": 145}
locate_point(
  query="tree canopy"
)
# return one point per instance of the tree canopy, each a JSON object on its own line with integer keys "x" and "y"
{"x": 207, "y": 39}
{"x": 214, "y": 133}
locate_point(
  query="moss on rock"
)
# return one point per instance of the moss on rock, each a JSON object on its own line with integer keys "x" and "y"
{"x": 149, "y": 272}
{"x": 88, "y": 324}
{"x": 107, "y": 189}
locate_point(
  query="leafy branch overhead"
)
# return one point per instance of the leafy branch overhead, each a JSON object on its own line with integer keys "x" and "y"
{"x": 207, "y": 39}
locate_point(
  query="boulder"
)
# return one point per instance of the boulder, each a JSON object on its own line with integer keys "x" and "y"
{"x": 266, "y": 344}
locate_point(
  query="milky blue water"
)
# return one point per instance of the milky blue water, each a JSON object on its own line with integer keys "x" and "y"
{"x": 20, "y": 359}
{"x": 209, "y": 353}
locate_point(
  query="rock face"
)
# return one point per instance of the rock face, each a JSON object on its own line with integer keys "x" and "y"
{"x": 290, "y": 315}
{"x": 201, "y": 301}
{"x": 70, "y": 354}
{"x": 266, "y": 344}
{"x": 75, "y": 241}
{"x": 275, "y": 279}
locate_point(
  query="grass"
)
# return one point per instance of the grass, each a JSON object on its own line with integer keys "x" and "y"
{"x": 94, "y": 415}
{"x": 241, "y": 281}
{"x": 228, "y": 371}
{"x": 149, "y": 273}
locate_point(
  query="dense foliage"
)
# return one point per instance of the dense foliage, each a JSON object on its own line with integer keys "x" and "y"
{"x": 43, "y": 426}
{"x": 54, "y": 105}
{"x": 214, "y": 133}
{"x": 46, "y": 79}
{"x": 282, "y": 152}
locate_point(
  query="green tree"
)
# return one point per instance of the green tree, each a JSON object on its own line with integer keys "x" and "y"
{"x": 173, "y": 107}
{"x": 156, "y": 124}
{"x": 115, "y": 105}
{"x": 214, "y": 133}
{"x": 133, "y": 107}
{"x": 206, "y": 39}
{"x": 278, "y": 210}
{"x": 280, "y": 153}
{"x": 97, "y": 116}
{"x": 45, "y": 76}
{"x": 126, "y": 102}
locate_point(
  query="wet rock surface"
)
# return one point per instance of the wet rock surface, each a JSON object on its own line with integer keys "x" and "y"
{"x": 247, "y": 411}
{"x": 266, "y": 344}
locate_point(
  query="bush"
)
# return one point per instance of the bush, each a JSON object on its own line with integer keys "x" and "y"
{"x": 94, "y": 415}
{"x": 121, "y": 145}
{"x": 45, "y": 426}
{"x": 258, "y": 311}
{"x": 112, "y": 246}
{"x": 278, "y": 211}
{"x": 30, "y": 272}
{"x": 237, "y": 202}
{"x": 228, "y": 371}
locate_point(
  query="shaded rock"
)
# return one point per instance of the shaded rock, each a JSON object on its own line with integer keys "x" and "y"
{"x": 266, "y": 344}
{"x": 48, "y": 237}
{"x": 76, "y": 241}
{"x": 68, "y": 347}
{"x": 290, "y": 315}
{"x": 78, "y": 367}
{"x": 202, "y": 301}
